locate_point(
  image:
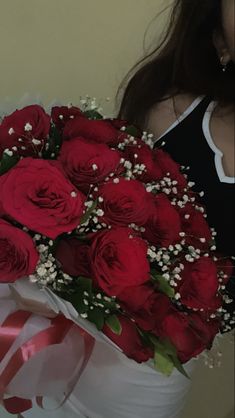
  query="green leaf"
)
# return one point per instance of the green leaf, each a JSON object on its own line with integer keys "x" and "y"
{"x": 132, "y": 130}
{"x": 54, "y": 142}
{"x": 83, "y": 284}
{"x": 166, "y": 349}
{"x": 145, "y": 337}
{"x": 163, "y": 363}
{"x": 169, "y": 347}
{"x": 162, "y": 284}
{"x": 114, "y": 324}
{"x": 88, "y": 213}
{"x": 96, "y": 316}
{"x": 53, "y": 247}
{"x": 180, "y": 367}
{"x": 7, "y": 162}
{"x": 172, "y": 352}
{"x": 155, "y": 341}
{"x": 55, "y": 134}
{"x": 77, "y": 300}
{"x": 93, "y": 114}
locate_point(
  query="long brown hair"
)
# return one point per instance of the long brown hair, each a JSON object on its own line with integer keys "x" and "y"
{"x": 186, "y": 61}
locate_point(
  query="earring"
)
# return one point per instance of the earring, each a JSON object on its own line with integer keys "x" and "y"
{"x": 224, "y": 64}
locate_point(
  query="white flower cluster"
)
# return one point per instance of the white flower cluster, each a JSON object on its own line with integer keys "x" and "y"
{"x": 89, "y": 103}
{"x": 129, "y": 140}
{"x": 99, "y": 301}
{"x": 95, "y": 221}
{"x": 173, "y": 255}
{"x": 148, "y": 139}
{"x": 165, "y": 258}
{"x": 26, "y": 139}
{"x": 227, "y": 317}
{"x": 47, "y": 272}
{"x": 133, "y": 171}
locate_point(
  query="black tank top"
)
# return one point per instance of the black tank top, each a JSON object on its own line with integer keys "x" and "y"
{"x": 190, "y": 144}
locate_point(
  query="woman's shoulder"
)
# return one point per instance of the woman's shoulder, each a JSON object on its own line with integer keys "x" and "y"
{"x": 163, "y": 114}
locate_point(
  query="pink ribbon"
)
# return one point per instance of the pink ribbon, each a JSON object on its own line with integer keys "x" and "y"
{"x": 10, "y": 330}
{"x": 54, "y": 334}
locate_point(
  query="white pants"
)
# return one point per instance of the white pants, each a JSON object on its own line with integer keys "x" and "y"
{"x": 112, "y": 386}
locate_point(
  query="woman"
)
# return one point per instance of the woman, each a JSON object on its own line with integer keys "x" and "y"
{"x": 184, "y": 94}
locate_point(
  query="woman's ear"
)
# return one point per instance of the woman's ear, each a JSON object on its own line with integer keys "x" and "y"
{"x": 221, "y": 47}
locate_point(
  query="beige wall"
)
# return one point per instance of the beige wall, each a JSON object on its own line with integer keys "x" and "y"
{"x": 212, "y": 392}
{"x": 66, "y": 48}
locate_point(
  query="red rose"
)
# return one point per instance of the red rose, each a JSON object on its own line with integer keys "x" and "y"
{"x": 167, "y": 165}
{"x": 198, "y": 233}
{"x": 62, "y": 114}
{"x": 190, "y": 334}
{"x": 199, "y": 285}
{"x": 226, "y": 267}
{"x": 144, "y": 305}
{"x": 95, "y": 130}
{"x": 36, "y": 194}
{"x": 27, "y": 129}
{"x": 18, "y": 255}
{"x": 118, "y": 260}
{"x": 118, "y": 123}
{"x": 163, "y": 226}
{"x": 87, "y": 162}
{"x": 122, "y": 123}
{"x": 129, "y": 341}
{"x": 125, "y": 202}
{"x": 72, "y": 255}
{"x": 144, "y": 155}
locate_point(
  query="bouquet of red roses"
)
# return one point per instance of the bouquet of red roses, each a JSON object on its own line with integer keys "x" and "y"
{"x": 90, "y": 210}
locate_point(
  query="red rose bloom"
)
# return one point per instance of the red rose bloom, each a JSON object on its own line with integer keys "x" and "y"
{"x": 62, "y": 114}
{"x": 199, "y": 285}
{"x": 167, "y": 165}
{"x": 18, "y": 255}
{"x": 87, "y": 162}
{"x": 27, "y": 129}
{"x": 118, "y": 123}
{"x": 144, "y": 155}
{"x": 144, "y": 305}
{"x": 118, "y": 260}
{"x": 96, "y": 130}
{"x": 163, "y": 226}
{"x": 122, "y": 123}
{"x": 72, "y": 255}
{"x": 125, "y": 202}
{"x": 190, "y": 334}
{"x": 129, "y": 341}
{"x": 36, "y": 194}
{"x": 226, "y": 267}
{"x": 196, "y": 227}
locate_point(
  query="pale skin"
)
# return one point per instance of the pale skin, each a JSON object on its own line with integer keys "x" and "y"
{"x": 222, "y": 124}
